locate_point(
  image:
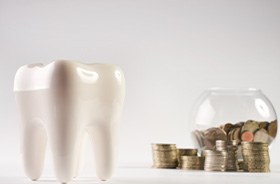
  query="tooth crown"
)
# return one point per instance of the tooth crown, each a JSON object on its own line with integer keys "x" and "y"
{"x": 61, "y": 101}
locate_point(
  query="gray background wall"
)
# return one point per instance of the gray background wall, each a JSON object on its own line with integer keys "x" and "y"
{"x": 170, "y": 52}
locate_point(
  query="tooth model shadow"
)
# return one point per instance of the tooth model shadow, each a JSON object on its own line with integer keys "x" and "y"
{"x": 61, "y": 101}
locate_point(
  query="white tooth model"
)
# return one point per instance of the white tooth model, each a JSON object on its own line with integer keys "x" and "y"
{"x": 60, "y": 102}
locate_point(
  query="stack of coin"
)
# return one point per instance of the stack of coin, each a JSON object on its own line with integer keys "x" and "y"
{"x": 191, "y": 162}
{"x": 164, "y": 155}
{"x": 215, "y": 160}
{"x": 185, "y": 152}
{"x": 232, "y": 164}
{"x": 256, "y": 157}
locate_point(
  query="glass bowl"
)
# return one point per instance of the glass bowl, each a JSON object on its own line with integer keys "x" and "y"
{"x": 244, "y": 115}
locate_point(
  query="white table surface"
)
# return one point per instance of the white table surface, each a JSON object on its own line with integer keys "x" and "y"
{"x": 145, "y": 175}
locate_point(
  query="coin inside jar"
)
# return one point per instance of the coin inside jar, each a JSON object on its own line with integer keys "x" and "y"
{"x": 247, "y": 131}
{"x": 213, "y": 134}
{"x": 247, "y": 136}
{"x": 272, "y": 128}
{"x": 261, "y": 135}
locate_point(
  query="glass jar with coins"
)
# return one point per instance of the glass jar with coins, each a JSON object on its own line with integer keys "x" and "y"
{"x": 240, "y": 115}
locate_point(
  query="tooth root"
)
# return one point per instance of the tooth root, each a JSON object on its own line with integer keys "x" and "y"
{"x": 64, "y": 134}
{"x": 33, "y": 148}
{"x": 80, "y": 158}
{"x": 104, "y": 138}
{"x": 33, "y": 132}
{"x": 65, "y": 150}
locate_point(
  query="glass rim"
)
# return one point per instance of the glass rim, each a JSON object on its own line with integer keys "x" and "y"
{"x": 233, "y": 90}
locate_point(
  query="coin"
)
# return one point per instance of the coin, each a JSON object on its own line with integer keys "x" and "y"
{"x": 236, "y": 134}
{"x": 233, "y": 143}
{"x": 254, "y": 146}
{"x": 216, "y": 160}
{"x": 164, "y": 155}
{"x": 240, "y": 124}
{"x": 232, "y": 148}
{"x": 191, "y": 162}
{"x": 230, "y": 135}
{"x": 272, "y": 128}
{"x": 227, "y": 127}
{"x": 263, "y": 124}
{"x": 186, "y": 151}
{"x": 164, "y": 147}
{"x": 247, "y": 136}
{"x": 256, "y": 157}
{"x": 220, "y": 145}
{"x": 250, "y": 126}
{"x": 170, "y": 166}
{"x": 261, "y": 135}
{"x": 213, "y": 134}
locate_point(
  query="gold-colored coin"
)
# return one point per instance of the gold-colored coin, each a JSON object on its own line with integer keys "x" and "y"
{"x": 254, "y": 145}
{"x": 171, "y": 166}
{"x": 272, "y": 129}
{"x": 187, "y": 152}
{"x": 256, "y": 157}
{"x": 191, "y": 162}
{"x": 164, "y": 155}
{"x": 250, "y": 126}
{"x": 164, "y": 147}
{"x": 263, "y": 124}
